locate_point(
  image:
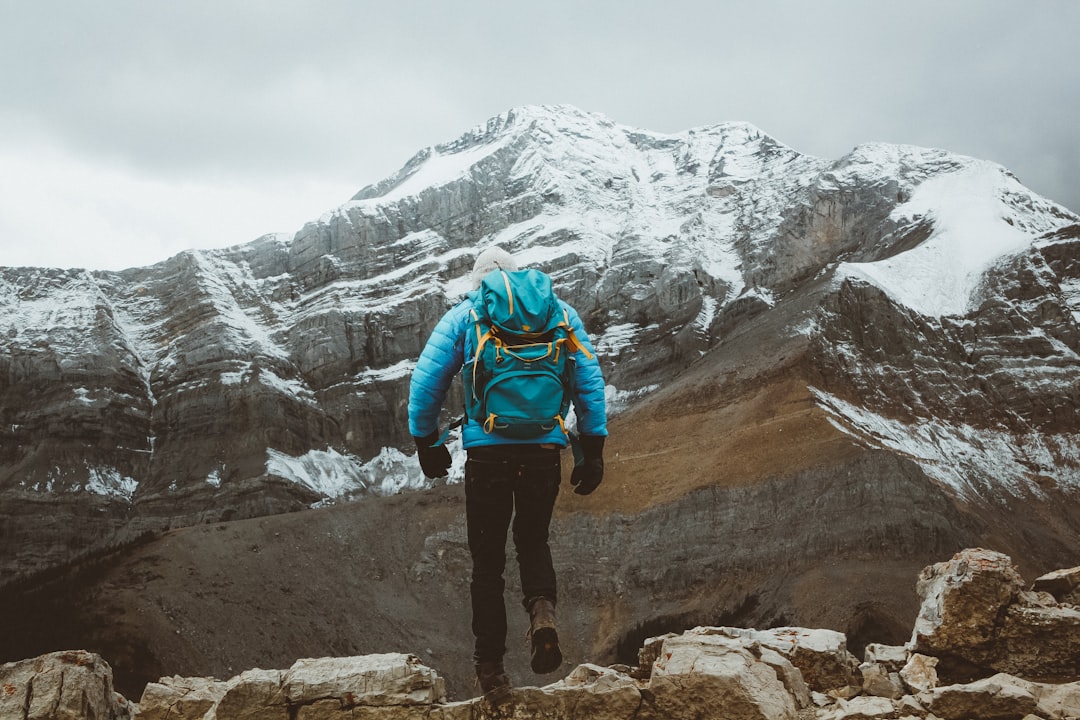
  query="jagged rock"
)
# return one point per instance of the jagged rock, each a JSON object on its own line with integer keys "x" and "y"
{"x": 790, "y": 675}
{"x": 1001, "y": 696}
{"x": 1064, "y": 585}
{"x": 892, "y": 657}
{"x": 878, "y": 681}
{"x": 963, "y": 600}
{"x": 705, "y": 672}
{"x": 1058, "y": 700}
{"x": 821, "y": 655}
{"x": 589, "y": 691}
{"x": 709, "y": 675}
{"x": 860, "y": 708}
{"x": 251, "y": 694}
{"x": 313, "y": 688}
{"x": 180, "y": 698}
{"x": 650, "y": 653}
{"x": 908, "y": 706}
{"x": 369, "y": 680}
{"x": 1039, "y": 638}
{"x": 69, "y": 685}
{"x": 1004, "y": 696}
{"x": 920, "y": 673}
{"x": 693, "y": 673}
{"x": 975, "y": 615}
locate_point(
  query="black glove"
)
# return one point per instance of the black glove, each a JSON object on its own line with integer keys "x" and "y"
{"x": 587, "y": 476}
{"x": 434, "y": 461}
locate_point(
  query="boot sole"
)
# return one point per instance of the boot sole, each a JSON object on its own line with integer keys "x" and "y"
{"x": 546, "y": 654}
{"x": 499, "y": 695}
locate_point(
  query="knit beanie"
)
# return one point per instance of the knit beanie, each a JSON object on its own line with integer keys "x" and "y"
{"x": 494, "y": 258}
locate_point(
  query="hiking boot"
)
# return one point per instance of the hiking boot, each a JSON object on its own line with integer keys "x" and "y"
{"x": 543, "y": 637}
{"x": 493, "y": 680}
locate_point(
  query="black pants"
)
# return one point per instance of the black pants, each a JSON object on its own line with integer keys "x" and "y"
{"x": 521, "y": 481}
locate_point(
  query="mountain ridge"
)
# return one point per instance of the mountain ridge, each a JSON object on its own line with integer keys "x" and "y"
{"x": 744, "y": 302}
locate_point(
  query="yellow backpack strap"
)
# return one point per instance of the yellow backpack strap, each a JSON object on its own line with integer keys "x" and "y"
{"x": 575, "y": 344}
{"x": 481, "y": 338}
{"x": 571, "y": 337}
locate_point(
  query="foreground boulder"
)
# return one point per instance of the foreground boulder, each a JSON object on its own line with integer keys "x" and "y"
{"x": 180, "y": 698}
{"x": 712, "y": 675}
{"x": 71, "y": 685}
{"x": 1003, "y": 696}
{"x": 977, "y": 618}
{"x": 821, "y": 655}
{"x": 313, "y": 688}
{"x": 1064, "y": 585}
{"x": 697, "y": 672}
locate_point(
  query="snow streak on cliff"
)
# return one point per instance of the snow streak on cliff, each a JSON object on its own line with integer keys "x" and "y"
{"x": 284, "y": 363}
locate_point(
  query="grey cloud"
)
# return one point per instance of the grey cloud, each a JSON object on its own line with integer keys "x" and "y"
{"x": 352, "y": 89}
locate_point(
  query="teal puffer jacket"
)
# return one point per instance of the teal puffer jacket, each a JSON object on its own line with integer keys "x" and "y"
{"x": 453, "y": 341}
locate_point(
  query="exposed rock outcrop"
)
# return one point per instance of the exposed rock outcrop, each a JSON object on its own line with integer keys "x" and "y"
{"x": 726, "y": 672}
{"x": 976, "y": 617}
{"x": 72, "y": 685}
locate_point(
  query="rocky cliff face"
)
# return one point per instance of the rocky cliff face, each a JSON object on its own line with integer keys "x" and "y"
{"x": 863, "y": 362}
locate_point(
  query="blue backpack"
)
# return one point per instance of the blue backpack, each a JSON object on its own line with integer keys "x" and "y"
{"x": 519, "y": 383}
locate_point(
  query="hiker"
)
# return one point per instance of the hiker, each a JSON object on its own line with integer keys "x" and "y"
{"x": 513, "y": 464}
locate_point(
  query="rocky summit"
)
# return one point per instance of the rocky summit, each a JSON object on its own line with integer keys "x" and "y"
{"x": 785, "y": 673}
{"x": 823, "y": 375}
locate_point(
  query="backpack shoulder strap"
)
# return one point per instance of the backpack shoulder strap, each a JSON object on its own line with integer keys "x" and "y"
{"x": 571, "y": 337}
{"x": 483, "y": 335}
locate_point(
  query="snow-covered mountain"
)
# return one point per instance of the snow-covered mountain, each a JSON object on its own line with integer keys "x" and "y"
{"x": 935, "y": 297}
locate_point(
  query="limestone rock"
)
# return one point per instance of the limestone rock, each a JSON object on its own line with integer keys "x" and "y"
{"x": 963, "y": 600}
{"x": 650, "y": 653}
{"x": 892, "y": 657}
{"x": 1058, "y": 700}
{"x": 251, "y": 694}
{"x": 860, "y": 708}
{"x": 69, "y": 685}
{"x": 920, "y": 673}
{"x": 1003, "y": 695}
{"x": 1000, "y": 696}
{"x": 694, "y": 674}
{"x": 790, "y": 675}
{"x": 821, "y": 655}
{"x": 180, "y": 698}
{"x": 589, "y": 691}
{"x": 368, "y": 680}
{"x": 878, "y": 681}
{"x": 976, "y": 617}
{"x": 311, "y": 687}
{"x": 709, "y": 675}
{"x": 1039, "y": 640}
{"x": 1064, "y": 585}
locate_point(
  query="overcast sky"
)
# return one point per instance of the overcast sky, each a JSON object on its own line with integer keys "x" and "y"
{"x": 131, "y": 130}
